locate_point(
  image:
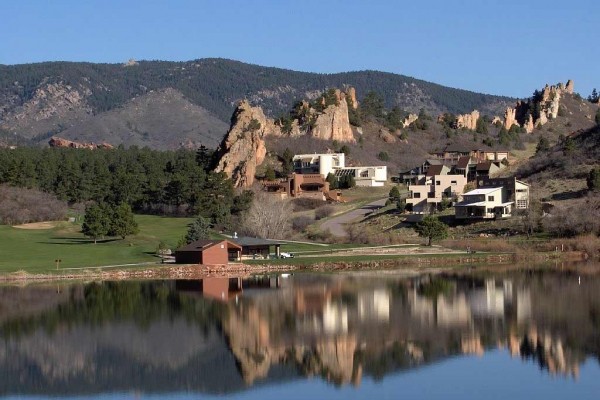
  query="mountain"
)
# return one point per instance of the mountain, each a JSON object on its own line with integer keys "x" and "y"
{"x": 168, "y": 104}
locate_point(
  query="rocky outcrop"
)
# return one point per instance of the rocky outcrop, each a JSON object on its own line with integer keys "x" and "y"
{"x": 351, "y": 97}
{"x": 60, "y": 142}
{"x": 529, "y": 125}
{"x": 386, "y": 136}
{"x": 243, "y": 148}
{"x": 570, "y": 88}
{"x": 333, "y": 122}
{"x": 467, "y": 121}
{"x": 409, "y": 120}
{"x": 496, "y": 120}
{"x": 510, "y": 117}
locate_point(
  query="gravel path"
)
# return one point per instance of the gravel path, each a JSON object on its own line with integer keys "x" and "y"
{"x": 335, "y": 225}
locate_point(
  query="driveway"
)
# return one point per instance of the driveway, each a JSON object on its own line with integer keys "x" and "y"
{"x": 335, "y": 225}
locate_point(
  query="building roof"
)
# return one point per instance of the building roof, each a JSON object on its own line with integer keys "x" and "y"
{"x": 482, "y": 191}
{"x": 484, "y": 166}
{"x": 467, "y": 204}
{"x": 252, "y": 241}
{"x": 463, "y": 162}
{"x": 200, "y": 245}
{"x": 437, "y": 170}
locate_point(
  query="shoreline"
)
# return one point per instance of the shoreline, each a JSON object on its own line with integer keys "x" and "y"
{"x": 410, "y": 265}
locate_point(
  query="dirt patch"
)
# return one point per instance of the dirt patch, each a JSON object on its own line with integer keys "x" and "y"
{"x": 380, "y": 251}
{"x": 38, "y": 225}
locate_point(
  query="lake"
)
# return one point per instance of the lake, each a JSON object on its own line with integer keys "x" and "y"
{"x": 377, "y": 335}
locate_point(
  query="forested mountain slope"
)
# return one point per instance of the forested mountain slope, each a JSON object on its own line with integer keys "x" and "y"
{"x": 39, "y": 100}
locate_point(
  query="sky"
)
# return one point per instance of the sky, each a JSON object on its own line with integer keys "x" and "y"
{"x": 505, "y": 47}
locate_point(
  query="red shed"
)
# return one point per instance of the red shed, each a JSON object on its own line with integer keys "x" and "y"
{"x": 208, "y": 252}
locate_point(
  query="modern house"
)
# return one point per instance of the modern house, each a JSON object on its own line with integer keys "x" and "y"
{"x": 365, "y": 176}
{"x": 427, "y": 194}
{"x": 513, "y": 190}
{"x": 208, "y": 252}
{"x": 483, "y": 203}
{"x": 311, "y": 185}
{"x": 335, "y": 163}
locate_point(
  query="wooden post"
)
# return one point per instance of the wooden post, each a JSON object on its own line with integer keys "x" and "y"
{"x": 57, "y": 261}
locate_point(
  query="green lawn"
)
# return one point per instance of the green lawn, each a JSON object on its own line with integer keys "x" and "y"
{"x": 35, "y": 250}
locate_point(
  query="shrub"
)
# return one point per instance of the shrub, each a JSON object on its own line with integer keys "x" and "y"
{"x": 383, "y": 156}
{"x": 20, "y": 206}
{"x": 323, "y": 212}
{"x": 302, "y": 204}
{"x": 301, "y": 222}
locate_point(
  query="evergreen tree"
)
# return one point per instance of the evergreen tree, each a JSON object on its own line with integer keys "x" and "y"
{"x": 122, "y": 222}
{"x": 96, "y": 222}
{"x": 333, "y": 181}
{"x": 394, "y": 194}
{"x": 593, "y": 180}
{"x": 197, "y": 230}
{"x": 287, "y": 161}
{"x": 543, "y": 145}
{"x": 431, "y": 228}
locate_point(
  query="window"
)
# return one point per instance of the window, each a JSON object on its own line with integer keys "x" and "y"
{"x": 453, "y": 183}
{"x": 431, "y": 195}
{"x": 417, "y": 195}
{"x": 364, "y": 174}
{"x": 521, "y": 204}
{"x": 521, "y": 190}
{"x": 490, "y": 210}
{"x": 490, "y": 198}
{"x": 438, "y": 183}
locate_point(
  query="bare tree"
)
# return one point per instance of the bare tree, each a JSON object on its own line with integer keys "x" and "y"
{"x": 268, "y": 217}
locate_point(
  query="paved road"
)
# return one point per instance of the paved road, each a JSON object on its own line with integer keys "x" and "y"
{"x": 335, "y": 225}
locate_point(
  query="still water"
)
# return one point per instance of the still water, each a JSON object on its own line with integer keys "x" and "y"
{"x": 343, "y": 336}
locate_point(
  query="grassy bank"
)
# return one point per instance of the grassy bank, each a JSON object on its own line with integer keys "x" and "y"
{"x": 34, "y": 250}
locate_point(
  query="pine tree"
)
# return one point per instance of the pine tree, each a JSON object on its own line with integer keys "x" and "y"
{"x": 96, "y": 222}
{"x": 122, "y": 221}
{"x": 432, "y": 228}
{"x": 199, "y": 229}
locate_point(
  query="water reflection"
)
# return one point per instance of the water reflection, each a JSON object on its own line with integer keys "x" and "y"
{"x": 221, "y": 335}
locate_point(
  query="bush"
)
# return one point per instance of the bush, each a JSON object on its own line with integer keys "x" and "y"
{"x": 383, "y": 156}
{"x": 20, "y": 206}
{"x": 593, "y": 180}
{"x": 302, "y": 204}
{"x": 323, "y": 212}
{"x": 301, "y": 222}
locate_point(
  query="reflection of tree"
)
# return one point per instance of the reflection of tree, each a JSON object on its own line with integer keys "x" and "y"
{"x": 102, "y": 303}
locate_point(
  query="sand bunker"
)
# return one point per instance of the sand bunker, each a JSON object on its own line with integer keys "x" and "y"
{"x": 38, "y": 225}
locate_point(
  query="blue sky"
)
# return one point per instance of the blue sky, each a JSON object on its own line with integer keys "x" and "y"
{"x": 508, "y": 47}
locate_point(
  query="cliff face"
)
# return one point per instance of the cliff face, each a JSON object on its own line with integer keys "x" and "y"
{"x": 333, "y": 122}
{"x": 60, "y": 142}
{"x": 243, "y": 148}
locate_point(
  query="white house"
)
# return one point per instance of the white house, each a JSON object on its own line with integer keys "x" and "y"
{"x": 335, "y": 163}
{"x": 484, "y": 203}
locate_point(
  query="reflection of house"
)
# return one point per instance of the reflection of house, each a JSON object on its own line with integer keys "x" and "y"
{"x": 256, "y": 247}
{"x": 428, "y": 192}
{"x": 485, "y": 203}
{"x": 208, "y": 252}
{"x": 374, "y": 305}
{"x": 222, "y": 289}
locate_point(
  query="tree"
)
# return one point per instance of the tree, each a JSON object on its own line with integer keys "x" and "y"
{"x": 431, "y": 228}
{"x": 347, "y": 182}
{"x": 394, "y": 193}
{"x": 288, "y": 161}
{"x": 268, "y": 217}
{"x": 569, "y": 146}
{"x": 96, "y": 222}
{"x": 345, "y": 149}
{"x": 270, "y": 173}
{"x": 593, "y": 180}
{"x": 542, "y": 146}
{"x": 597, "y": 118}
{"x": 122, "y": 222}
{"x": 383, "y": 156}
{"x": 372, "y": 105}
{"x": 197, "y": 230}
{"x": 593, "y": 98}
{"x": 333, "y": 181}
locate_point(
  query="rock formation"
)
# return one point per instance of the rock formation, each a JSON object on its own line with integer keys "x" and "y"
{"x": 496, "y": 119}
{"x": 409, "y": 120}
{"x": 60, "y": 142}
{"x": 529, "y": 125}
{"x": 243, "y": 148}
{"x": 386, "y": 136}
{"x": 510, "y": 117}
{"x": 467, "y": 121}
{"x": 570, "y": 88}
{"x": 333, "y": 122}
{"x": 351, "y": 93}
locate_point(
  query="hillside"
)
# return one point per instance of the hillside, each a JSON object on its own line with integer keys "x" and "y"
{"x": 118, "y": 103}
